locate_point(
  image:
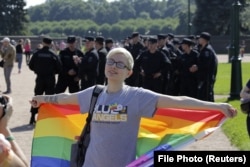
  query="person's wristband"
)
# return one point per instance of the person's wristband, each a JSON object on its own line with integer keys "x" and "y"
{"x": 10, "y": 138}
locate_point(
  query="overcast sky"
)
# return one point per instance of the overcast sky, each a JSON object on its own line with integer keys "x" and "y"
{"x": 34, "y": 2}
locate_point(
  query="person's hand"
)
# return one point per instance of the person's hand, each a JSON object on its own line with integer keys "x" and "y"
{"x": 228, "y": 110}
{"x": 71, "y": 72}
{"x": 4, "y": 144}
{"x": 36, "y": 101}
{"x": 77, "y": 59}
{"x": 193, "y": 68}
{"x": 156, "y": 75}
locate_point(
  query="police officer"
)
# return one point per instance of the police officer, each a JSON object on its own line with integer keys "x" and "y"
{"x": 194, "y": 39}
{"x": 188, "y": 69}
{"x": 167, "y": 76}
{"x": 45, "y": 64}
{"x": 162, "y": 44}
{"x": 88, "y": 67}
{"x": 152, "y": 65}
{"x": 169, "y": 42}
{"x": 102, "y": 53}
{"x": 135, "y": 49}
{"x": 109, "y": 44}
{"x": 174, "y": 88}
{"x": 127, "y": 43}
{"x": 207, "y": 68}
{"x": 68, "y": 77}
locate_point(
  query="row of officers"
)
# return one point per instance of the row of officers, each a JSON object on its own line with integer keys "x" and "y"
{"x": 181, "y": 68}
{"x": 162, "y": 65}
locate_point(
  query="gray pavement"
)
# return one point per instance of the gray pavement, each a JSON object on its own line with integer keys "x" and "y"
{"x": 22, "y": 91}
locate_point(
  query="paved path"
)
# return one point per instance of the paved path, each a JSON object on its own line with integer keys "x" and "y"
{"x": 23, "y": 86}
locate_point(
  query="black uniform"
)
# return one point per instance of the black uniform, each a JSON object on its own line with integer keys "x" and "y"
{"x": 207, "y": 70}
{"x": 45, "y": 63}
{"x": 150, "y": 64}
{"x": 188, "y": 80}
{"x": 102, "y": 53}
{"x": 167, "y": 75}
{"x": 64, "y": 79}
{"x": 174, "y": 86}
{"x": 88, "y": 69}
{"x": 135, "y": 51}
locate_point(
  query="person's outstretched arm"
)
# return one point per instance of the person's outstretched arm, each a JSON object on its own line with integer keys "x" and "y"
{"x": 62, "y": 98}
{"x": 166, "y": 101}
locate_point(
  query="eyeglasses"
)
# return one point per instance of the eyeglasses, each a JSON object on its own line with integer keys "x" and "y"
{"x": 118, "y": 64}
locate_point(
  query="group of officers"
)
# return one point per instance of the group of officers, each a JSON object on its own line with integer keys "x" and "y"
{"x": 167, "y": 65}
{"x": 162, "y": 64}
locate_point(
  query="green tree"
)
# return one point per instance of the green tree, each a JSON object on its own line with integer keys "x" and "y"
{"x": 116, "y": 32}
{"x": 174, "y": 8}
{"x": 13, "y": 17}
{"x": 127, "y": 10}
{"x": 105, "y": 30}
{"x": 155, "y": 29}
{"x": 213, "y": 16}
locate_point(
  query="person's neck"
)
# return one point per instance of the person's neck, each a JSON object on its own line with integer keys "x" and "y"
{"x": 114, "y": 87}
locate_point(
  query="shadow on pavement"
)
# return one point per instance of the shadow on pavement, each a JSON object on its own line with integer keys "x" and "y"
{"x": 23, "y": 128}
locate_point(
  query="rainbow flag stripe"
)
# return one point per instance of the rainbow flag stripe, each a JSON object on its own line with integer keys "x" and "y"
{"x": 169, "y": 129}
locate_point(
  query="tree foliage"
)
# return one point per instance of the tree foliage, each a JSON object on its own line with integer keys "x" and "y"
{"x": 119, "y": 18}
{"x": 108, "y": 17}
{"x": 13, "y": 17}
{"x": 214, "y": 16}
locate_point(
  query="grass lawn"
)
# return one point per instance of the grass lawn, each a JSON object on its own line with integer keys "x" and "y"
{"x": 235, "y": 128}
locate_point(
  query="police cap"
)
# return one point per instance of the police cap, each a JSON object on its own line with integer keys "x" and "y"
{"x": 152, "y": 40}
{"x": 89, "y": 38}
{"x": 192, "y": 37}
{"x": 187, "y": 41}
{"x": 170, "y": 35}
{"x": 205, "y": 35}
{"x": 71, "y": 39}
{"x": 161, "y": 36}
{"x": 99, "y": 39}
{"x": 109, "y": 40}
{"x": 47, "y": 40}
{"x": 135, "y": 34}
{"x": 176, "y": 41}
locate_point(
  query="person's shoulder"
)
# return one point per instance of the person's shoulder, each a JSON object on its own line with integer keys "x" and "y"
{"x": 88, "y": 91}
{"x": 94, "y": 51}
{"x": 103, "y": 51}
{"x": 64, "y": 51}
{"x": 136, "y": 90}
{"x": 248, "y": 84}
{"x": 195, "y": 51}
{"x": 51, "y": 51}
{"x": 12, "y": 47}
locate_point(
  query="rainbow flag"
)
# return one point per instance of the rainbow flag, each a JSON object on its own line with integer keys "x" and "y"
{"x": 170, "y": 129}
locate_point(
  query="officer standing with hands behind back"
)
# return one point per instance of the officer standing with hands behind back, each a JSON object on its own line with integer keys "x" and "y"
{"x": 45, "y": 64}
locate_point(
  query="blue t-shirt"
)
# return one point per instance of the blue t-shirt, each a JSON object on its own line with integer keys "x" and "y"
{"x": 115, "y": 124}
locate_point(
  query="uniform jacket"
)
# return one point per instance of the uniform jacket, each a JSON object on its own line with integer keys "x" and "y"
{"x": 45, "y": 62}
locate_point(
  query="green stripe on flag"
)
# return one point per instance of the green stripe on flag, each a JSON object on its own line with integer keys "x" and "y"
{"x": 56, "y": 147}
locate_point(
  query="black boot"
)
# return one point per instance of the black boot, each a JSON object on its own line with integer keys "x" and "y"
{"x": 33, "y": 115}
{"x": 32, "y": 119}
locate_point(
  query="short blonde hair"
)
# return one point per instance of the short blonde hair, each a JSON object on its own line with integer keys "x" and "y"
{"x": 126, "y": 53}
